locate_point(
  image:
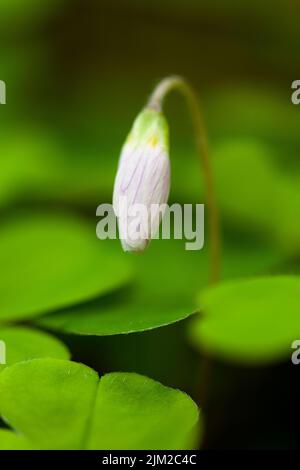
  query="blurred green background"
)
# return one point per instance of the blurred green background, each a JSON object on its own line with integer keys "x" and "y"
{"x": 77, "y": 73}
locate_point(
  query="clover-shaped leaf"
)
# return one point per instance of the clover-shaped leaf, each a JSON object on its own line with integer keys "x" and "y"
{"x": 23, "y": 344}
{"x": 50, "y": 261}
{"x": 58, "y": 404}
{"x": 167, "y": 280}
{"x": 249, "y": 321}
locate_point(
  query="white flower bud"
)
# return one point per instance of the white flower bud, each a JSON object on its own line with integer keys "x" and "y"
{"x": 143, "y": 180}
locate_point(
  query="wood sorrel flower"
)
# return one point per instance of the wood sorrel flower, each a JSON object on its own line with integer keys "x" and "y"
{"x": 143, "y": 180}
{"x": 143, "y": 177}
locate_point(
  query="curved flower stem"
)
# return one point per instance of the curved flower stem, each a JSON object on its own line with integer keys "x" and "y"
{"x": 155, "y": 102}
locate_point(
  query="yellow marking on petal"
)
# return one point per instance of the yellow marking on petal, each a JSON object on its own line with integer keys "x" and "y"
{"x": 153, "y": 141}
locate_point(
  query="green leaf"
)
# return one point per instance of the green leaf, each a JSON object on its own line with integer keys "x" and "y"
{"x": 150, "y": 303}
{"x": 10, "y": 440}
{"x": 102, "y": 319}
{"x": 50, "y": 261}
{"x": 167, "y": 280}
{"x": 24, "y": 343}
{"x": 141, "y": 413}
{"x": 48, "y": 401}
{"x": 59, "y": 404}
{"x": 250, "y": 321}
